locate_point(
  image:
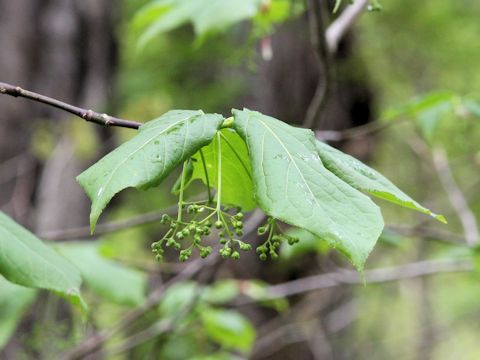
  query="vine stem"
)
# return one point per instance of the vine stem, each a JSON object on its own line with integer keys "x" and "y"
{"x": 87, "y": 115}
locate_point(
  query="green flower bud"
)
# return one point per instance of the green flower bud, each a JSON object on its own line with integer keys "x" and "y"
{"x": 235, "y": 255}
{"x": 263, "y": 256}
{"x": 218, "y": 224}
{"x": 165, "y": 219}
{"x": 261, "y": 230}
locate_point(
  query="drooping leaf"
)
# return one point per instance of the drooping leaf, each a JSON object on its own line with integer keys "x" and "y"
{"x": 105, "y": 277}
{"x": 14, "y": 300}
{"x": 145, "y": 160}
{"x": 229, "y": 328}
{"x": 237, "y": 183}
{"x": 25, "y": 260}
{"x": 364, "y": 178}
{"x": 291, "y": 184}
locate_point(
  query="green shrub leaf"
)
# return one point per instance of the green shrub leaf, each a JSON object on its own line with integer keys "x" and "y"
{"x": 25, "y": 260}
{"x": 361, "y": 177}
{"x": 228, "y": 328}
{"x": 205, "y": 15}
{"x": 292, "y": 185}
{"x": 105, "y": 277}
{"x": 236, "y": 169}
{"x": 146, "y": 159}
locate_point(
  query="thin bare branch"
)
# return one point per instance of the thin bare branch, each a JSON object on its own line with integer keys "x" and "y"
{"x": 87, "y": 115}
{"x": 337, "y": 30}
{"x": 107, "y": 228}
{"x": 317, "y": 23}
{"x": 344, "y": 277}
{"x": 456, "y": 197}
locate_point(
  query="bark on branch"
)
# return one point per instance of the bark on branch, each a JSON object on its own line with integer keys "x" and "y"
{"x": 87, "y": 115}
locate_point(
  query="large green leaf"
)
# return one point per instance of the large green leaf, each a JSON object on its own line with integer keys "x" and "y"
{"x": 229, "y": 328}
{"x": 291, "y": 184}
{"x": 364, "y": 178}
{"x": 237, "y": 183}
{"x": 107, "y": 278}
{"x": 145, "y": 160}
{"x": 14, "y": 300}
{"x": 205, "y": 15}
{"x": 26, "y": 260}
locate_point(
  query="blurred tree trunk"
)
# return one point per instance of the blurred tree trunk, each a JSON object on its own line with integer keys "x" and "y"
{"x": 64, "y": 49}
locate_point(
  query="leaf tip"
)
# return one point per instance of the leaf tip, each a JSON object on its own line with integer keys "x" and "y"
{"x": 440, "y": 218}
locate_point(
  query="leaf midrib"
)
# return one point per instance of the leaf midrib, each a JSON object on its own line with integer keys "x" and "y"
{"x": 292, "y": 159}
{"x": 105, "y": 184}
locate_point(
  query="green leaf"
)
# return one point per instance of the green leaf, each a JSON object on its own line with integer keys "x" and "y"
{"x": 419, "y": 104}
{"x": 337, "y": 6}
{"x": 14, "y": 300}
{"x": 237, "y": 183}
{"x": 361, "y": 177}
{"x": 145, "y": 160}
{"x": 25, "y": 260}
{"x": 178, "y": 296}
{"x": 291, "y": 184}
{"x": 228, "y": 328}
{"x": 221, "y": 292}
{"x": 205, "y": 15}
{"x": 257, "y": 290}
{"x": 107, "y": 278}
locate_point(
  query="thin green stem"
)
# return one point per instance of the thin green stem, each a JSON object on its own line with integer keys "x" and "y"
{"x": 210, "y": 199}
{"x": 219, "y": 169}
{"x": 180, "y": 199}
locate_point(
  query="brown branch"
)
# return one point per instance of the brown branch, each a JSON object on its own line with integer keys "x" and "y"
{"x": 347, "y": 277}
{"x": 107, "y": 228}
{"x": 87, "y": 115}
